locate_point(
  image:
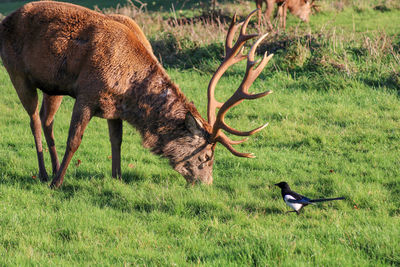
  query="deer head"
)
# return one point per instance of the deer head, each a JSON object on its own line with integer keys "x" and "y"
{"x": 301, "y": 9}
{"x": 197, "y": 166}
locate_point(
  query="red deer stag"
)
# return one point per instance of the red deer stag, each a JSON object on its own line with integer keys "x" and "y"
{"x": 299, "y": 8}
{"x": 107, "y": 65}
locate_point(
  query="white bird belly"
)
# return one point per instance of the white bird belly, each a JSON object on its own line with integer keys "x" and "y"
{"x": 295, "y": 206}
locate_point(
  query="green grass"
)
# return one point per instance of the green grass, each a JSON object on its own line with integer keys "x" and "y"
{"x": 334, "y": 131}
{"x": 349, "y": 20}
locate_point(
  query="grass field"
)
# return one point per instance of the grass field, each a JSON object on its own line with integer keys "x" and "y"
{"x": 334, "y": 130}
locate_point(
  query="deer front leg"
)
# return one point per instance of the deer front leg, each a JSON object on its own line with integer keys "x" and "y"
{"x": 115, "y": 132}
{"x": 81, "y": 116}
{"x": 27, "y": 93}
{"x": 49, "y": 108}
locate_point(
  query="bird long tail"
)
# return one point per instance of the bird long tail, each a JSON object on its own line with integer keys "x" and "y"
{"x": 325, "y": 199}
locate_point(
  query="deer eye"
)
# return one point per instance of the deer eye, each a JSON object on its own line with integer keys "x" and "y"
{"x": 202, "y": 158}
{"x": 209, "y": 155}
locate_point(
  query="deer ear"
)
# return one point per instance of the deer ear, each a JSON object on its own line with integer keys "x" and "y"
{"x": 193, "y": 125}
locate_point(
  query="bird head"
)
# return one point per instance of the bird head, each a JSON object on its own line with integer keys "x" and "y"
{"x": 282, "y": 185}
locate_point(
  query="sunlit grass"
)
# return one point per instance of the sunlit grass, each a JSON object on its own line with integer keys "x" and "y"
{"x": 333, "y": 131}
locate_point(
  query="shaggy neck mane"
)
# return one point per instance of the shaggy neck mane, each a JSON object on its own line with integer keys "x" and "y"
{"x": 157, "y": 108}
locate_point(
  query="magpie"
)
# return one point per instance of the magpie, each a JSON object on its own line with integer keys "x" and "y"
{"x": 297, "y": 201}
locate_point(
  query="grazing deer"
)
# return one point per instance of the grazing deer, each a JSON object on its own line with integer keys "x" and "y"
{"x": 299, "y": 8}
{"x": 106, "y": 64}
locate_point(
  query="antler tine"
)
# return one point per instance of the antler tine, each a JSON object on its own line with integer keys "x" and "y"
{"x": 232, "y": 150}
{"x": 253, "y": 49}
{"x": 246, "y": 22}
{"x": 243, "y": 36}
{"x": 225, "y": 127}
{"x": 233, "y": 54}
{"x": 231, "y": 33}
{"x": 230, "y": 141}
{"x": 251, "y": 73}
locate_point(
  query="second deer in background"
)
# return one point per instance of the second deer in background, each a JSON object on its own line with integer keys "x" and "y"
{"x": 299, "y": 8}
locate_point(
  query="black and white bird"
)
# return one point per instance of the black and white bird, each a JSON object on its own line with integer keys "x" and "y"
{"x": 297, "y": 201}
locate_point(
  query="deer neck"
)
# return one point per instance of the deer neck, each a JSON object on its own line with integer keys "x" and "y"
{"x": 156, "y": 108}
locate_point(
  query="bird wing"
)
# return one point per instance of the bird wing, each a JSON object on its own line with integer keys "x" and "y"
{"x": 297, "y": 198}
{"x": 295, "y": 206}
{"x": 303, "y": 200}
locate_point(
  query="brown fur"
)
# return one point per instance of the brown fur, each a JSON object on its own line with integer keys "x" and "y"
{"x": 299, "y": 8}
{"x": 107, "y": 65}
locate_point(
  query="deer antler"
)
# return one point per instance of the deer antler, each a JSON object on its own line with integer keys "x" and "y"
{"x": 234, "y": 54}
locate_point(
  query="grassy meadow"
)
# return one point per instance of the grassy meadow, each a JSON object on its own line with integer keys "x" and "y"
{"x": 334, "y": 130}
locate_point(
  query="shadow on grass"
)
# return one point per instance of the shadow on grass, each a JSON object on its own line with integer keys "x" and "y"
{"x": 255, "y": 208}
{"x": 167, "y": 5}
{"x": 122, "y": 200}
{"x": 390, "y": 81}
{"x": 170, "y": 52}
{"x": 207, "y": 17}
{"x": 128, "y": 177}
{"x": 26, "y": 182}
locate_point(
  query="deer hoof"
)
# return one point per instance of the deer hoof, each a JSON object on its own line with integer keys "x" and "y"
{"x": 55, "y": 184}
{"x": 43, "y": 177}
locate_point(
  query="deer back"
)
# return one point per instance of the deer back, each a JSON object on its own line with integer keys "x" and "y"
{"x": 71, "y": 50}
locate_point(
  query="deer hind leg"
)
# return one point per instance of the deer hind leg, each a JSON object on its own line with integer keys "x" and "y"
{"x": 259, "y": 7}
{"x": 282, "y": 11}
{"x": 284, "y": 15}
{"x": 27, "y": 93}
{"x": 81, "y": 116}
{"x": 115, "y": 132}
{"x": 49, "y": 108}
{"x": 268, "y": 13}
